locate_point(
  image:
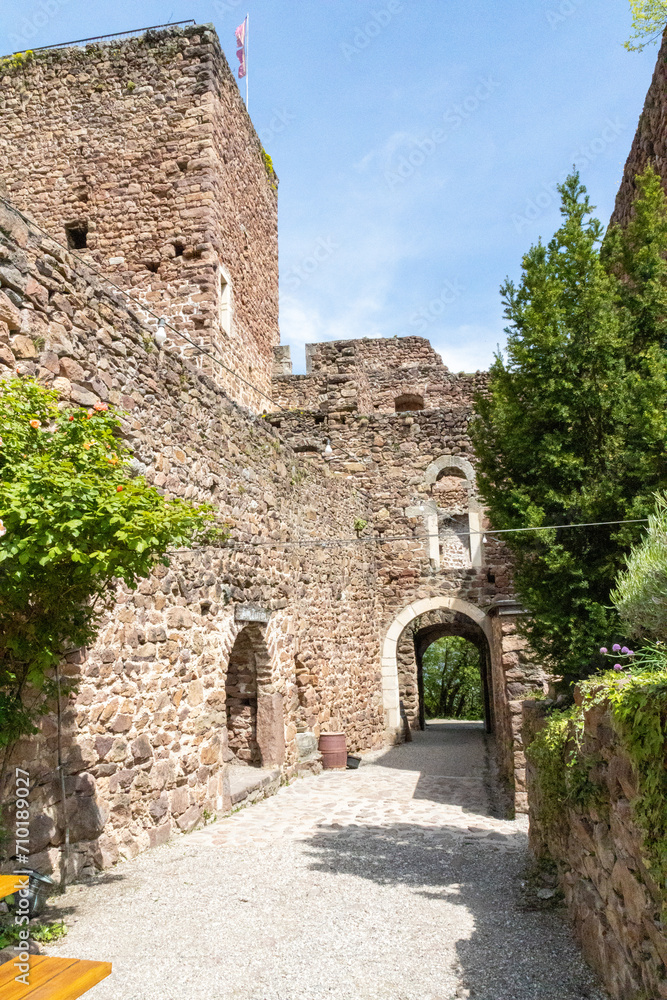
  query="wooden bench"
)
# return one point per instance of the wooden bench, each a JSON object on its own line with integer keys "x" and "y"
{"x": 9, "y": 884}
{"x": 47, "y": 978}
{"x": 51, "y": 978}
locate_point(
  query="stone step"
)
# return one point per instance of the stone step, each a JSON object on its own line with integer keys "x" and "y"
{"x": 249, "y": 784}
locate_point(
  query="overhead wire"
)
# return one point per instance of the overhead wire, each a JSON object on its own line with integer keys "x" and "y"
{"x": 382, "y": 539}
{"x": 376, "y": 538}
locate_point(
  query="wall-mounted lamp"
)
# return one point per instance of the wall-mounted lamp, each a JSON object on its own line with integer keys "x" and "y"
{"x": 160, "y": 334}
{"x": 328, "y": 450}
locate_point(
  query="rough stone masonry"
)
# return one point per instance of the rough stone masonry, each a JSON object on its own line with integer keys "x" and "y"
{"x": 350, "y": 493}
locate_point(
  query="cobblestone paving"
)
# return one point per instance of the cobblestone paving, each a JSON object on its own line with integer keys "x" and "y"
{"x": 392, "y": 882}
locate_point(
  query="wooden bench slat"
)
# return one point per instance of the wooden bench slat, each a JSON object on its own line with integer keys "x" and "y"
{"x": 9, "y": 884}
{"x": 52, "y": 978}
{"x": 40, "y": 973}
{"x": 72, "y": 982}
{"x": 8, "y": 970}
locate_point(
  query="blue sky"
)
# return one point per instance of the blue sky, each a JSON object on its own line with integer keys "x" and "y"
{"x": 417, "y": 142}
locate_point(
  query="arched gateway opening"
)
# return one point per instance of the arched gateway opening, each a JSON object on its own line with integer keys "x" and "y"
{"x": 408, "y": 638}
{"x": 255, "y": 723}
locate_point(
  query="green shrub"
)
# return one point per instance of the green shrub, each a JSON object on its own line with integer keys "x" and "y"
{"x": 268, "y": 163}
{"x": 639, "y": 712}
{"x": 641, "y": 589}
{"x": 42, "y": 932}
{"x": 561, "y": 766}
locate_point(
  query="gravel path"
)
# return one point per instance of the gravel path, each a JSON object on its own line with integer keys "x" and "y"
{"x": 391, "y": 882}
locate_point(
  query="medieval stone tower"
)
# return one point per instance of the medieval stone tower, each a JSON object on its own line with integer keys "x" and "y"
{"x": 142, "y": 157}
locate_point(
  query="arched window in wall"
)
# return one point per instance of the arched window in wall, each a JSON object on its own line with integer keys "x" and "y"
{"x": 408, "y": 402}
{"x": 452, "y": 480}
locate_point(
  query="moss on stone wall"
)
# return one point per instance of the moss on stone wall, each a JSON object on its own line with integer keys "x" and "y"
{"x": 17, "y": 61}
{"x": 562, "y": 765}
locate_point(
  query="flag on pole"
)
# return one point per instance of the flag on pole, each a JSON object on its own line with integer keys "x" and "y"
{"x": 241, "y": 48}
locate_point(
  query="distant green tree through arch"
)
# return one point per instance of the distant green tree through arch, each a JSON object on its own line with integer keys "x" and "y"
{"x": 452, "y": 680}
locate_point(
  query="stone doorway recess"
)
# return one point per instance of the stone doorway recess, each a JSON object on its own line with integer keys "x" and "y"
{"x": 255, "y": 721}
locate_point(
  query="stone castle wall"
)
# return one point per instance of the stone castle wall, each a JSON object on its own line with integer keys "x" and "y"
{"x": 350, "y": 514}
{"x": 649, "y": 146}
{"x": 426, "y": 524}
{"x": 370, "y": 375}
{"x": 146, "y": 736}
{"x": 614, "y": 904}
{"x": 146, "y": 143}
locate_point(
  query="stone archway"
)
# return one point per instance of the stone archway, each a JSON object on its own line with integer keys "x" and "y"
{"x": 512, "y": 675}
{"x": 413, "y": 643}
{"x": 255, "y": 720}
{"x": 390, "y": 683}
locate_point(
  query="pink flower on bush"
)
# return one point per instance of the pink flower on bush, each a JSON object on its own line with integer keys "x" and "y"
{"x": 603, "y": 649}
{"x": 617, "y": 666}
{"x": 616, "y": 648}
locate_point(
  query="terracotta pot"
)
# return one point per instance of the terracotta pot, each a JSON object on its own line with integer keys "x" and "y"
{"x": 333, "y": 749}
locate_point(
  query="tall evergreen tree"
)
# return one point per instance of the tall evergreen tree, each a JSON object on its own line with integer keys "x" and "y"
{"x": 574, "y": 427}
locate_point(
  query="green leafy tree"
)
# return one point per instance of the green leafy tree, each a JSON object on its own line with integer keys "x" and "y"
{"x": 72, "y": 525}
{"x": 649, "y": 18}
{"x": 452, "y": 680}
{"x": 574, "y": 427}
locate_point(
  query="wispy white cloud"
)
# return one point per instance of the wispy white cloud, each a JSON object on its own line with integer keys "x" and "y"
{"x": 468, "y": 347}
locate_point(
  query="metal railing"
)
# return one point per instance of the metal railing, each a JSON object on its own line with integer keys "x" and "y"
{"x": 119, "y": 34}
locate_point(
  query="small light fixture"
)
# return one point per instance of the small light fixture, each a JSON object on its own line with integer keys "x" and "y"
{"x": 328, "y": 450}
{"x": 161, "y": 334}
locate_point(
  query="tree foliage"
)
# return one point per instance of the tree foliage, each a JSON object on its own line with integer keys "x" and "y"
{"x": 649, "y": 18}
{"x": 574, "y": 426}
{"x": 73, "y": 524}
{"x": 452, "y": 680}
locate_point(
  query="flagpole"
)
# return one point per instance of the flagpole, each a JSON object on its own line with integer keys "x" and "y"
{"x": 247, "y": 48}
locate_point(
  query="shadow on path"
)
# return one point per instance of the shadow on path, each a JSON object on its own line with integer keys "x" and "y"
{"x": 511, "y": 954}
{"x": 456, "y": 765}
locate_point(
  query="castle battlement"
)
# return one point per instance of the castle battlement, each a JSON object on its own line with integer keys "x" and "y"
{"x": 372, "y": 375}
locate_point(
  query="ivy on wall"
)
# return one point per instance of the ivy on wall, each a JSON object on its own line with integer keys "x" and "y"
{"x": 567, "y": 775}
